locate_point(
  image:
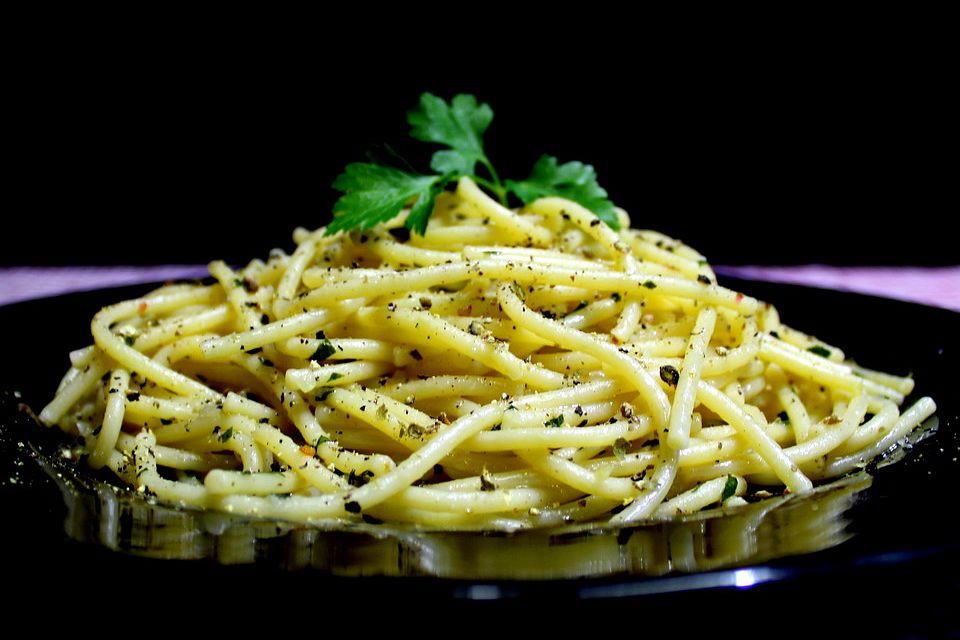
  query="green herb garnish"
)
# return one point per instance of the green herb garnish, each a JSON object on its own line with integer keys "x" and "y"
{"x": 554, "y": 422}
{"x": 324, "y": 351}
{"x": 573, "y": 180}
{"x": 729, "y": 489}
{"x": 374, "y": 193}
{"x": 823, "y": 352}
{"x": 620, "y": 448}
{"x": 459, "y": 125}
{"x": 670, "y": 375}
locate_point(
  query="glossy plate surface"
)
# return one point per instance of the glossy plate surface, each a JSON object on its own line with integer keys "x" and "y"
{"x": 868, "y": 533}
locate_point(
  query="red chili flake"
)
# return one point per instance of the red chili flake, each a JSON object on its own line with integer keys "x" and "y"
{"x": 465, "y": 311}
{"x": 142, "y": 308}
{"x": 739, "y": 297}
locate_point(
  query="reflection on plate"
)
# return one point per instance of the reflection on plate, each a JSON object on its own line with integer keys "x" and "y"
{"x": 99, "y": 513}
{"x": 893, "y": 514}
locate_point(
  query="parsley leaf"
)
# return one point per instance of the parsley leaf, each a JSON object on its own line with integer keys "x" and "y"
{"x": 556, "y": 421}
{"x": 823, "y": 352}
{"x": 459, "y": 125}
{"x": 373, "y": 194}
{"x": 572, "y": 180}
{"x": 324, "y": 351}
{"x": 422, "y": 209}
{"x": 729, "y": 488}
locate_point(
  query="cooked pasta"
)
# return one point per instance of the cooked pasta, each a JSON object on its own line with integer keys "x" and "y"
{"x": 507, "y": 369}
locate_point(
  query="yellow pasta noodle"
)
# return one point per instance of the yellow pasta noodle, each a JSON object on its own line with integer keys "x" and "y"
{"x": 540, "y": 368}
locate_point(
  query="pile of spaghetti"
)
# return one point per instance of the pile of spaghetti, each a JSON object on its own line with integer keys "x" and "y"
{"x": 507, "y": 369}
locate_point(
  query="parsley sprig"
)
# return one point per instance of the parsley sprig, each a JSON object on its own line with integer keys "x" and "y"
{"x": 374, "y": 193}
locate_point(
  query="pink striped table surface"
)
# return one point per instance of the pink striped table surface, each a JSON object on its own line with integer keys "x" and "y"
{"x": 934, "y": 286}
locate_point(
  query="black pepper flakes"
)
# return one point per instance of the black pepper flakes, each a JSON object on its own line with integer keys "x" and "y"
{"x": 400, "y": 234}
{"x": 486, "y": 482}
{"x": 359, "y": 479}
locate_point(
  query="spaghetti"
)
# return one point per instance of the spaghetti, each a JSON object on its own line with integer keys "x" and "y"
{"x": 508, "y": 369}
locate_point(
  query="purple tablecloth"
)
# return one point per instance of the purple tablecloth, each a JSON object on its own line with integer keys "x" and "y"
{"x": 938, "y": 286}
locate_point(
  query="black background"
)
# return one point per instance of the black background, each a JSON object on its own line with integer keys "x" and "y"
{"x": 173, "y": 152}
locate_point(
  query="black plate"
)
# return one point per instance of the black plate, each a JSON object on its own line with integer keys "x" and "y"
{"x": 864, "y": 537}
